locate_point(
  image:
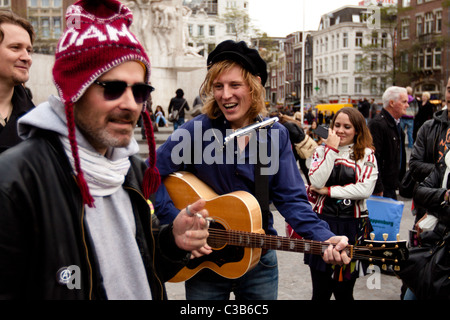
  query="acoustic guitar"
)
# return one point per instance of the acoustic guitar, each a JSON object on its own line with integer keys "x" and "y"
{"x": 237, "y": 237}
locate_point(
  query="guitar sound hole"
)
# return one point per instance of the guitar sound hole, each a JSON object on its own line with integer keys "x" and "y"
{"x": 217, "y": 239}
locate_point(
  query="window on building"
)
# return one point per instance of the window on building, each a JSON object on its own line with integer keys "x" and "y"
{"x": 383, "y": 84}
{"x": 404, "y": 62}
{"x": 337, "y": 41}
{"x": 57, "y": 3}
{"x": 428, "y": 27}
{"x": 45, "y": 3}
{"x": 374, "y": 38}
{"x": 344, "y": 85}
{"x": 345, "y": 40}
{"x": 337, "y": 63}
{"x": 4, "y": 3}
{"x": 358, "y": 85}
{"x": 358, "y": 39}
{"x": 437, "y": 58}
{"x": 428, "y": 58}
{"x": 420, "y": 60}
{"x": 33, "y": 3}
{"x": 358, "y": 62}
{"x": 344, "y": 62}
{"x": 405, "y": 29}
{"x": 384, "y": 40}
{"x": 438, "y": 21}
{"x": 56, "y": 27}
{"x": 374, "y": 62}
{"x": 384, "y": 63}
{"x": 45, "y": 27}
{"x": 373, "y": 86}
{"x": 419, "y": 1}
{"x": 419, "y": 26}
{"x": 201, "y": 30}
{"x": 212, "y": 30}
{"x": 231, "y": 28}
{"x": 35, "y": 23}
{"x": 406, "y": 3}
{"x": 191, "y": 30}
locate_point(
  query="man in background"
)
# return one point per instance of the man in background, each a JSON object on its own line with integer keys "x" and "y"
{"x": 16, "y": 44}
{"x": 389, "y": 142}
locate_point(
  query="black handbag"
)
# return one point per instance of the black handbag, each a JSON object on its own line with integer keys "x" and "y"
{"x": 427, "y": 270}
{"x": 407, "y": 185}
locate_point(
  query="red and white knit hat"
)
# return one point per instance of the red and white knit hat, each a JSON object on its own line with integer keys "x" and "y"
{"x": 96, "y": 40}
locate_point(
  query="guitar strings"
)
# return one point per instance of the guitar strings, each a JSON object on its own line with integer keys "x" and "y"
{"x": 256, "y": 240}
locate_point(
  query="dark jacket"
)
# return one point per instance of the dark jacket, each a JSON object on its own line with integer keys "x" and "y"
{"x": 430, "y": 194}
{"x": 21, "y": 104}
{"x": 42, "y": 227}
{"x": 176, "y": 104}
{"x": 389, "y": 149}
{"x": 430, "y": 145}
{"x": 425, "y": 113}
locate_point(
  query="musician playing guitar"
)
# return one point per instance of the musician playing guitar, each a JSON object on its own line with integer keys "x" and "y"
{"x": 234, "y": 91}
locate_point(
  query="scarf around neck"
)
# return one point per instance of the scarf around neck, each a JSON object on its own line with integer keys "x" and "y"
{"x": 103, "y": 176}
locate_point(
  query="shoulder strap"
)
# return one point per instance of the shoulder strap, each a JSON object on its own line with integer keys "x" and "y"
{"x": 262, "y": 192}
{"x": 182, "y": 106}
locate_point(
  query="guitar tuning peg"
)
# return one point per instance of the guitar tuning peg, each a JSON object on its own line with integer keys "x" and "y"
{"x": 398, "y": 237}
{"x": 385, "y": 236}
{"x": 396, "y": 268}
{"x": 370, "y": 267}
{"x": 384, "y": 267}
{"x": 372, "y": 236}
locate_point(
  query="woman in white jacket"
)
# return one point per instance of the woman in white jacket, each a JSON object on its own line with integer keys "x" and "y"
{"x": 343, "y": 174}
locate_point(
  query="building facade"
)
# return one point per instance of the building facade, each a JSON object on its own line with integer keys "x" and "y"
{"x": 351, "y": 60}
{"x": 213, "y": 21}
{"x": 423, "y": 46}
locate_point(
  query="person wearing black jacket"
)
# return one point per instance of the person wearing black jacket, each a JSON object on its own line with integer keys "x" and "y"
{"x": 180, "y": 104}
{"x": 16, "y": 41}
{"x": 389, "y": 142}
{"x": 76, "y": 217}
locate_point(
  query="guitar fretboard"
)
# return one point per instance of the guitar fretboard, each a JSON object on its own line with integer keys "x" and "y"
{"x": 218, "y": 237}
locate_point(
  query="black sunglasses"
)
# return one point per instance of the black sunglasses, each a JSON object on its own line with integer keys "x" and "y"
{"x": 114, "y": 90}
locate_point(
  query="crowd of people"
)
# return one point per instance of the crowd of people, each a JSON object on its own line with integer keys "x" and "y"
{"x": 80, "y": 207}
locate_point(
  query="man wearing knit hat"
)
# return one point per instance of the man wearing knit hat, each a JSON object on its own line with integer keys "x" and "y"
{"x": 234, "y": 91}
{"x": 76, "y": 219}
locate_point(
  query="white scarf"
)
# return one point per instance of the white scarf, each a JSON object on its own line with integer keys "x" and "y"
{"x": 103, "y": 176}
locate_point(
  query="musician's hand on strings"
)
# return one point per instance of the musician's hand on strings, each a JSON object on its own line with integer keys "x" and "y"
{"x": 190, "y": 227}
{"x": 203, "y": 251}
{"x": 335, "y": 253}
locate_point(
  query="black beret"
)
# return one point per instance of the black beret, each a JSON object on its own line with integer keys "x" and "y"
{"x": 241, "y": 53}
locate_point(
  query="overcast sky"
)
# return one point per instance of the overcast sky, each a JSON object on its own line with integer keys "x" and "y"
{"x": 281, "y": 17}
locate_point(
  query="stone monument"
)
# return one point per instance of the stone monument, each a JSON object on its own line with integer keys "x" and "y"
{"x": 161, "y": 26}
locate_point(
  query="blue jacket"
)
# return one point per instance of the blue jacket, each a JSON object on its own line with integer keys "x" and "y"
{"x": 226, "y": 170}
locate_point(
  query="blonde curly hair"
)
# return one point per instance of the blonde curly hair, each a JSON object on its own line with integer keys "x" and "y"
{"x": 257, "y": 92}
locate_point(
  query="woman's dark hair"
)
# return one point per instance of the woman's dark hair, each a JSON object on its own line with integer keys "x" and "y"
{"x": 179, "y": 93}
{"x": 363, "y": 138}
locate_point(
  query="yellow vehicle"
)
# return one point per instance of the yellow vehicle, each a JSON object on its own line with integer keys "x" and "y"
{"x": 331, "y": 107}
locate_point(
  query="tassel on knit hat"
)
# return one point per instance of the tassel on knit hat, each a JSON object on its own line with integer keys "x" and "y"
{"x": 96, "y": 40}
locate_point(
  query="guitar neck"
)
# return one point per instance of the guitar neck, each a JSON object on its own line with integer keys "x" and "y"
{"x": 263, "y": 241}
